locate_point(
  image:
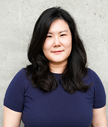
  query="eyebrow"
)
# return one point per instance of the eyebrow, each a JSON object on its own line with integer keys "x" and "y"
{"x": 59, "y": 32}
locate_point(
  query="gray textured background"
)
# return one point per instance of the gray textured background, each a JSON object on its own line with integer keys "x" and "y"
{"x": 17, "y": 20}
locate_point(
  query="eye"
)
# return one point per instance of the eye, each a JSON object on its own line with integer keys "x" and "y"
{"x": 49, "y": 36}
{"x": 63, "y": 35}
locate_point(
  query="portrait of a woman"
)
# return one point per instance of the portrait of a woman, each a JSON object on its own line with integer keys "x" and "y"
{"x": 57, "y": 89}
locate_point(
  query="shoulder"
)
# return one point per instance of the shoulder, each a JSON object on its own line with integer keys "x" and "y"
{"x": 20, "y": 75}
{"x": 96, "y": 82}
{"x": 20, "y": 80}
{"x": 19, "y": 84}
{"x": 14, "y": 95}
{"x": 92, "y": 73}
{"x": 92, "y": 76}
{"x": 97, "y": 89}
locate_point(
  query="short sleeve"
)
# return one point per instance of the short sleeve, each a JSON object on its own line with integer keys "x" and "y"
{"x": 99, "y": 99}
{"x": 14, "y": 96}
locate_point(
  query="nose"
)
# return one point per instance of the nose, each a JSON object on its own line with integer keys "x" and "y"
{"x": 56, "y": 41}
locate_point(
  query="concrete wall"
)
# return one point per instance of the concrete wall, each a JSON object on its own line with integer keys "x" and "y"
{"x": 17, "y": 19}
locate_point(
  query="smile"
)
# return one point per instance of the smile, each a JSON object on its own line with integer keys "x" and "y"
{"x": 57, "y": 52}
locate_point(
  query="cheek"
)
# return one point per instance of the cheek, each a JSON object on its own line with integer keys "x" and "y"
{"x": 46, "y": 48}
{"x": 47, "y": 45}
{"x": 68, "y": 43}
{"x": 69, "y": 49}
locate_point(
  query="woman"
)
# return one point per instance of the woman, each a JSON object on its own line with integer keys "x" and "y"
{"x": 56, "y": 89}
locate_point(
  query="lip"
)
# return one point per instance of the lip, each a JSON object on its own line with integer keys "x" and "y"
{"x": 57, "y": 52}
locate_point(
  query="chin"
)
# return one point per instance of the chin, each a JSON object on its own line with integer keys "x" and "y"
{"x": 59, "y": 61}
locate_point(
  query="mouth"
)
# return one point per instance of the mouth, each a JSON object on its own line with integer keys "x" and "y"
{"x": 57, "y": 52}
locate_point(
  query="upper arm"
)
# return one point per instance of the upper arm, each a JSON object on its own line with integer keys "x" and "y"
{"x": 99, "y": 117}
{"x": 11, "y": 118}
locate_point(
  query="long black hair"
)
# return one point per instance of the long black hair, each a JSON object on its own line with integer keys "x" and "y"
{"x": 39, "y": 72}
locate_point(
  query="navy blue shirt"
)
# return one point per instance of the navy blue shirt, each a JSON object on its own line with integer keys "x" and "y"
{"x": 56, "y": 108}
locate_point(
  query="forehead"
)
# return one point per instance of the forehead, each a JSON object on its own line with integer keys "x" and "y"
{"x": 59, "y": 25}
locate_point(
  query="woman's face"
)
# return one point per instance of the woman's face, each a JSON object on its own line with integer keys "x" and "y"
{"x": 58, "y": 43}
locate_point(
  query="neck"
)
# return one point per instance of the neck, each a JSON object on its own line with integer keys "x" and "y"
{"x": 57, "y": 67}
